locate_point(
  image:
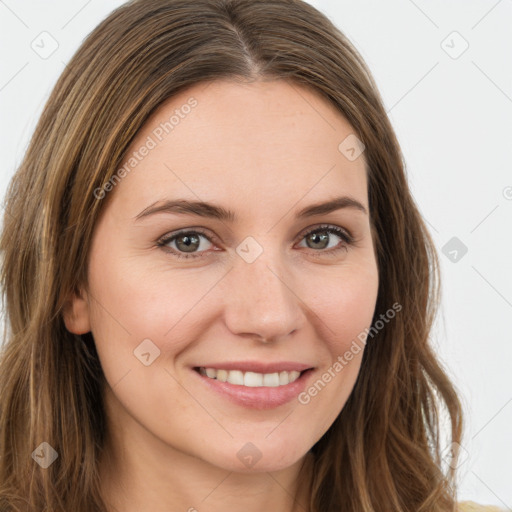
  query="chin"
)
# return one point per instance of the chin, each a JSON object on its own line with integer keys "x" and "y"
{"x": 259, "y": 456}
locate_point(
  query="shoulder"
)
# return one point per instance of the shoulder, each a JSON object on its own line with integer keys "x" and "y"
{"x": 470, "y": 506}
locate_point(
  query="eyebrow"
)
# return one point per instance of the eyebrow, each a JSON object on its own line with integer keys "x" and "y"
{"x": 203, "y": 209}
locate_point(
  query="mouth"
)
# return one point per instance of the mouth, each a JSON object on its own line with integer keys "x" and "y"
{"x": 251, "y": 379}
{"x": 257, "y": 390}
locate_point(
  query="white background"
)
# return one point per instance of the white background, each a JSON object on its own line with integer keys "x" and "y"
{"x": 453, "y": 117}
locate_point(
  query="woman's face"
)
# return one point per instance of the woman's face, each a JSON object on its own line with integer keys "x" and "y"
{"x": 256, "y": 301}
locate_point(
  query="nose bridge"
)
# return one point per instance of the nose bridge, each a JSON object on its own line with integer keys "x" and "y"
{"x": 260, "y": 299}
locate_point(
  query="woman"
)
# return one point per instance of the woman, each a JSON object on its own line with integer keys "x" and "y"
{"x": 218, "y": 287}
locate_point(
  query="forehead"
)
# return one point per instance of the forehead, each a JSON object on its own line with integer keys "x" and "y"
{"x": 262, "y": 141}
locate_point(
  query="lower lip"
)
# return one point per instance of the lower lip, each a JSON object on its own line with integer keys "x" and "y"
{"x": 258, "y": 397}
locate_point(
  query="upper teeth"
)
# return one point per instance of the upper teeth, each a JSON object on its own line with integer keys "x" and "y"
{"x": 251, "y": 379}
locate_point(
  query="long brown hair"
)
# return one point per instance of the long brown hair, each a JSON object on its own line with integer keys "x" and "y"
{"x": 383, "y": 452}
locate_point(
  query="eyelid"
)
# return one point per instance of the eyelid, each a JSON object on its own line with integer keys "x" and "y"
{"x": 319, "y": 227}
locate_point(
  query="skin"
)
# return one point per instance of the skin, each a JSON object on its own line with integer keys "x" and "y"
{"x": 264, "y": 150}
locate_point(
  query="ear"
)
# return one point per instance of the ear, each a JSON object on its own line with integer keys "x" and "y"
{"x": 76, "y": 313}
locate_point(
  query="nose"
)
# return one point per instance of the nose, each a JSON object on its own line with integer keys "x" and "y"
{"x": 260, "y": 300}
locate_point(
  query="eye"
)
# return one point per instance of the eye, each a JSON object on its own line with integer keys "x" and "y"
{"x": 189, "y": 243}
{"x": 320, "y": 238}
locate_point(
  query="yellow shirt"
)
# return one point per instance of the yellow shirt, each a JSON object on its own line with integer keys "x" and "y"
{"x": 470, "y": 506}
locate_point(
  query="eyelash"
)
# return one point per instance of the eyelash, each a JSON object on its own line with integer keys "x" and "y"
{"x": 335, "y": 230}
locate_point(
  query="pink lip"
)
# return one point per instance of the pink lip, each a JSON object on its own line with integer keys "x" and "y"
{"x": 258, "y": 397}
{"x": 258, "y": 366}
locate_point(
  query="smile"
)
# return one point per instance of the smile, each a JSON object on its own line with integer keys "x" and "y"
{"x": 251, "y": 379}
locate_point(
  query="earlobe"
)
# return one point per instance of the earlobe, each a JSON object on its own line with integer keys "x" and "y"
{"x": 76, "y": 313}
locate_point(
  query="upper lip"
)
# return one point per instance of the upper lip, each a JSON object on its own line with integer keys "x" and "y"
{"x": 258, "y": 366}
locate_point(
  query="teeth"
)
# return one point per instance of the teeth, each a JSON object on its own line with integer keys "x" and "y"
{"x": 222, "y": 375}
{"x": 251, "y": 379}
{"x": 211, "y": 373}
{"x": 236, "y": 377}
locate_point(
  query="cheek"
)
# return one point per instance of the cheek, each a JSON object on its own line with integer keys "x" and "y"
{"x": 135, "y": 303}
{"x": 138, "y": 300}
{"x": 344, "y": 303}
